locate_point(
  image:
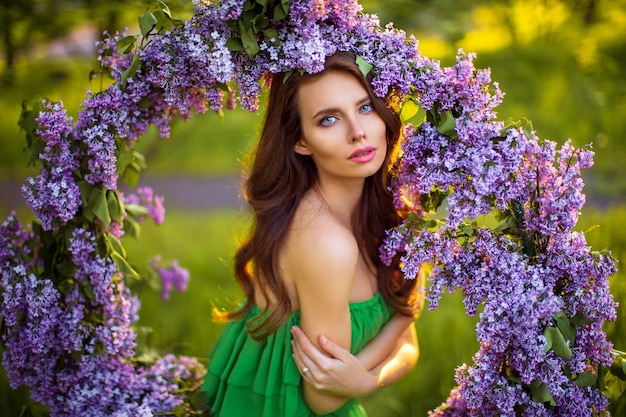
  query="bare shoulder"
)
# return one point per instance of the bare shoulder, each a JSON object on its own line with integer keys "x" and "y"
{"x": 320, "y": 254}
{"x": 316, "y": 235}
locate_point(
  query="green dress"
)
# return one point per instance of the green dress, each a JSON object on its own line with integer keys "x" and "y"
{"x": 260, "y": 379}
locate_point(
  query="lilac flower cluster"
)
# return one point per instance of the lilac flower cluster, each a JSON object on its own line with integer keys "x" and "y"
{"x": 72, "y": 343}
{"x": 54, "y": 196}
{"x": 454, "y": 406}
{"x": 146, "y": 198}
{"x": 314, "y": 30}
{"x": 171, "y": 276}
{"x": 506, "y": 241}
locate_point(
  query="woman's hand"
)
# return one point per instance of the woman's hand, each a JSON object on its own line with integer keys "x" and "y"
{"x": 333, "y": 369}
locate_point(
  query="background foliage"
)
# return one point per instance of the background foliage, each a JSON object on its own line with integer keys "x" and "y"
{"x": 562, "y": 64}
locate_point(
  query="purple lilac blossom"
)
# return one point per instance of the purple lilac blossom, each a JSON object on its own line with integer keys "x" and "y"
{"x": 172, "y": 276}
{"x": 483, "y": 169}
{"x": 54, "y": 196}
{"x": 454, "y": 406}
{"x": 46, "y": 329}
{"x": 520, "y": 295}
{"x": 146, "y": 198}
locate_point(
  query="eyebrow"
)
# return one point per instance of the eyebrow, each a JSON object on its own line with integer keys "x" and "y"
{"x": 336, "y": 109}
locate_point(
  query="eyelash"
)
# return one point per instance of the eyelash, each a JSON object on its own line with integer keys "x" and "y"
{"x": 365, "y": 108}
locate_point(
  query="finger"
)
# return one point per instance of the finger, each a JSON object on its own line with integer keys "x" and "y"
{"x": 306, "y": 347}
{"x": 300, "y": 364}
{"x": 333, "y": 349}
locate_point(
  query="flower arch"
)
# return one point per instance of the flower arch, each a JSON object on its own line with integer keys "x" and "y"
{"x": 494, "y": 209}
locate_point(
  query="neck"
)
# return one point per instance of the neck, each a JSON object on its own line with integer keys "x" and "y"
{"x": 342, "y": 198}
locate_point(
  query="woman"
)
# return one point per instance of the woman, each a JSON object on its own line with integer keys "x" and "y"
{"x": 324, "y": 320}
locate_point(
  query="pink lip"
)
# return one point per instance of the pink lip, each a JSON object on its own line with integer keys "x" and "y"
{"x": 363, "y": 154}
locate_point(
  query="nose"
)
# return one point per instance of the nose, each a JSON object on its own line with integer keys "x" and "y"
{"x": 357, "y": 132}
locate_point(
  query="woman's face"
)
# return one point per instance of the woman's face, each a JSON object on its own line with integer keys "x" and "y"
{"x": 341, "y": 131}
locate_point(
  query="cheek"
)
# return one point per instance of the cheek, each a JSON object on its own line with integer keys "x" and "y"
{"x": 379, "y": 130}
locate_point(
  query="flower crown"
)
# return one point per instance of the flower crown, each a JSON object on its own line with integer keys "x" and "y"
{"x": 243, "y": 42}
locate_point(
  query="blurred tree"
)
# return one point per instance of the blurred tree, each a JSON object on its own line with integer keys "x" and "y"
{"x": 26, "y": 22}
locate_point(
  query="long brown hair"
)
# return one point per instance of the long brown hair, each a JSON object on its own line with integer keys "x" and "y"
{"x": 277, "y": 182}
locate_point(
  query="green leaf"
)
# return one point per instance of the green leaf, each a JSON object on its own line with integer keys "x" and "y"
{"x": 136, "y": 210}
{"x": 614, "y": 386}
{"x": 506, "y": 224}
{"x": 116, "y": 209}
{"x": 132, "y": 228}
{"x": 197, "y": 399}
{"x": 88, "y": 290}
{"x": 364, "y": 66}
{"x": 586, "y": 379}
{"x": 101, "y": 208}
{"x": 580, "y": 320}
{"x": 467, "y": 229}
{"x": 145, "y": 103}
{"x": 85, "y": 190}
{"x": 123, "y": 266}
{"x": 431, "y": 201}
{"x": 249, "y": 5}
{"x": 446, "y": 124}
{"x": 90, "y": 208}
{"x": 409, "y": 109}
{"x": 126, "y": 44}
{"x": 248, "y": 40}
{"x": 556, "y": 342}
{"x": 618, "y": 367}
{"x": 515, "y": 379}
{"x": 287, "y": 75}
{"x": 272, "y": 33}
{"x": 164, "y": 22}
{"x": 540, "y": 393}
{"x": 234, "y": 44}
{"x": 131, "y": 70}
{"x": 147, "y": 22}
{"x": 66, "y": 268}
{"x": 116, "y": 246}
{"x": 281, "y": 11}
{"x": 159, "y": 6}
{"x": 260, "y": 21}
{"x": 28, "y": 124}
{"x": 565, "y": 327}
{"x": 131, "y": 175}
{"x": 619, "y": 405}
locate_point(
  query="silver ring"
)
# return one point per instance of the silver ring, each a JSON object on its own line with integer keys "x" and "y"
{"x": 304, "y": 371}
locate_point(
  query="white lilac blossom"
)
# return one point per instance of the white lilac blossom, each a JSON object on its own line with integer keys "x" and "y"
{"x": 492, "y": 206}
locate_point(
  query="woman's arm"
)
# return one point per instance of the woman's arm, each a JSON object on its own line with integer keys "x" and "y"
{"x": 334, "y": 369}
{"x": 379, "y": 348}
{"x": 322, "y": 259}
{"x": 399, "y": 361}
{"x": 388, "y": 356}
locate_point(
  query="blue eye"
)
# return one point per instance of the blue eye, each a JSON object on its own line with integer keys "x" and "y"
{"x": 366, "y": 108}
{"x": 328, "y": 120}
